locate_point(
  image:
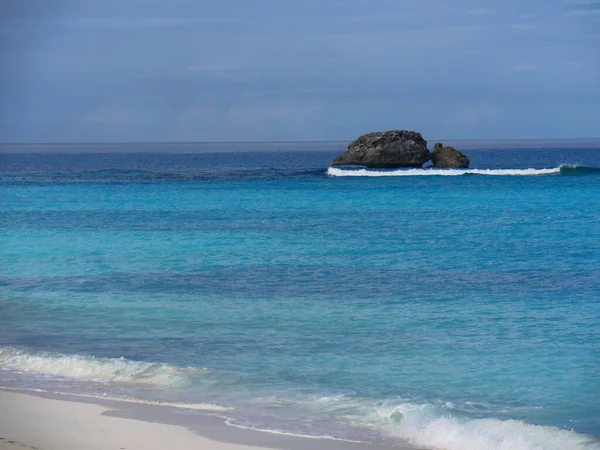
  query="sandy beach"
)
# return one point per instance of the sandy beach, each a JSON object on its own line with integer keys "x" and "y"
{"x": 33, "y": 422}
{"x": 57, "y": 422}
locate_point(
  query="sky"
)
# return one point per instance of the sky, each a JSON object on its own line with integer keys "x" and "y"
{"x": 264, "y": 70}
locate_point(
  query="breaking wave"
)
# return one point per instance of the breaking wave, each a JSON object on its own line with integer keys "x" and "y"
{"x": 432, "y": 425}
{"x": 425, "y": 425}
{"x": 443, "y": 425}
{"x": 561, "y": 170}
{"x": 105, "y": 370}
{"x": 453, "y": 427}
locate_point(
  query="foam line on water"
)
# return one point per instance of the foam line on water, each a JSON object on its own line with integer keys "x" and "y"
{"x": 231, "y": 423}
{"x": 205, "y": 407}
{"x": 448, "y": 426}
{"x": 425, "y": 425}
{"x": 422, "y": 424}
{"x": 107, "y": 370}
{"x": 335, "y": 172}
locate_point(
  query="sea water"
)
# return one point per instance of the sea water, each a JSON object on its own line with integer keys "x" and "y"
{"x": 259, "y": 284}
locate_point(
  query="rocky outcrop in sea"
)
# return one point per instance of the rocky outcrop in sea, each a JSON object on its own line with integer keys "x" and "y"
{"x": 386, "y": 149}
{"x": 448, "y": 157}
{"x": 397, "y": 149}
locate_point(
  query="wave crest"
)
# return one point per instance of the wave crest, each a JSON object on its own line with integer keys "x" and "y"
{"x": 107, "y": 370}
{"x": 335, "y": 172}
{"x": 432, "y": 425}
{"x": 448, "y": 426}
{"x": 426, "y": 425}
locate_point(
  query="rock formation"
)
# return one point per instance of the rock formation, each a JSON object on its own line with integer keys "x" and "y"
{"x": 387, "y": 149}
{"x": 448, "y": 157}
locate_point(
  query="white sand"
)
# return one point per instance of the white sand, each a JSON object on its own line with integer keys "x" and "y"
{"x": 27, "y": 421}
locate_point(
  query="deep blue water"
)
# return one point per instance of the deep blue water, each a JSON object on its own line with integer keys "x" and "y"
{"x": 451, "y": 311}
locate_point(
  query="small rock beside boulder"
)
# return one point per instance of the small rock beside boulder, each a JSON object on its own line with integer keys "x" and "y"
{"x": 386, "y": 150}
{"x": 448, "y": 157}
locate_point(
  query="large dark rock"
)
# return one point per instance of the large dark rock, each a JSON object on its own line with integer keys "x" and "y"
{"x": 448, "y": 157}
{"x": 386, "y": 149}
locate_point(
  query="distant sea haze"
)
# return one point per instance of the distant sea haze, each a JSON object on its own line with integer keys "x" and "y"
{"x": 253, "y": 281}
{"x": 325, "y": 146}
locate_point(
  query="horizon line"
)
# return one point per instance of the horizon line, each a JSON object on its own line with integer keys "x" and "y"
{"x": 285, "y": 141}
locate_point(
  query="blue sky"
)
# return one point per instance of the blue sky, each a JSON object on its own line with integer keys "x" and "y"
{"x": 254, "y": 70}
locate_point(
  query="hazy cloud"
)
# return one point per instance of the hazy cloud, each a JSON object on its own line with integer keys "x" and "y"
{"x": 267, "y": 69}
{"x": 585, "y": 7}
{"x": 523, "y": 67}
{"x": 482, "y": 12}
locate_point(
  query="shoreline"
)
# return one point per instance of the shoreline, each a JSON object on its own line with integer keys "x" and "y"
{"x": 49, "y": 421}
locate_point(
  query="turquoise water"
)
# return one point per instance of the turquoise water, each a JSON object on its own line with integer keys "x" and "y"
{"x": 449, "y": 311}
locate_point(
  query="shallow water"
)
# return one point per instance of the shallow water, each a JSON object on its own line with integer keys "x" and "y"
{"x": 453, "y": 311}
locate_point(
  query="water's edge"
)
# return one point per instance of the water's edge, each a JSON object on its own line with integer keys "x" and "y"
{"x": 207, "y": 425}
{"x": 391, "y": 424}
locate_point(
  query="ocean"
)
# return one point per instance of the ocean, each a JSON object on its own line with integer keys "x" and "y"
{"x": 256, "y": 283}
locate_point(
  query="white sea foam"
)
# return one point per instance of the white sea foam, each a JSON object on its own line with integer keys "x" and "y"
{"x": 105, "y": 370}
{"x": 335, "y": 172}
{"x": 208, "y": 407}
{"x": 231, "y": 423}
{"x": 428, "y": 425}
{"x": 446, "y": 426}
{"x": 424, "y": 425}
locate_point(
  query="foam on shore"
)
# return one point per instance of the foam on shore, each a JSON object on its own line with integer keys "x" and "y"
{"x": 443, "y": 426}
